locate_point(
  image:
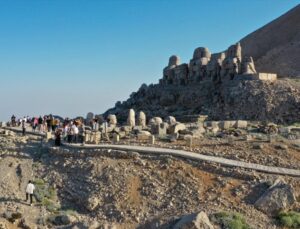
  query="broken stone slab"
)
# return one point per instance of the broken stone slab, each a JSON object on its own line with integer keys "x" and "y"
{"x": 280, "y": 196}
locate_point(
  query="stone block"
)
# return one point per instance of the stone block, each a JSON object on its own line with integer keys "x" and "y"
{"x": 160, "y": 129}
{"x": 241, "y": 124}
{"x": 143, "y": 135}
{"x": 151, "y": 139}
{"x": 116, "y": 138}
{"x": 225, "y": 125}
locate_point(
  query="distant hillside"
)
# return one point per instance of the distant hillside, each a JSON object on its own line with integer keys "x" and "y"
{"x": 276, "y": 46}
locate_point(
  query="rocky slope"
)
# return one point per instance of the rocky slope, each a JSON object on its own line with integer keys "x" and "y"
{"x": 251, "y": 100}
{"x": 115, "y": 189}
{"x": 276, "y": 46}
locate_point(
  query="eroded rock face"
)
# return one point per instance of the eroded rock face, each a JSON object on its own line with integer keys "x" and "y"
{"x": 232, "y": 100}
{"x": 194, "y": 221}
{"x": 280, "y": 196}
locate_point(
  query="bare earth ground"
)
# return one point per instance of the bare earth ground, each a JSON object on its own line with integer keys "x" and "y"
{"x": 129, "y": 190}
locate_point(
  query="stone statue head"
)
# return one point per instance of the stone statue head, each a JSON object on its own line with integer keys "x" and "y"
{"x": 201, "y": 52}
{"x": 234, "y": 51}
{"x": 174, "y": 60}
{"x": 248, "y": 59}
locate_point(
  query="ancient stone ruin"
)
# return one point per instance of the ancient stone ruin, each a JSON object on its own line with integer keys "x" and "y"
{"x": 229, "y": 65}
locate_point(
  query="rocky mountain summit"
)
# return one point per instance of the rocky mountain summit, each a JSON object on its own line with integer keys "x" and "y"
{"x": 250, "y": 80}
{"x": 276, "y": 46}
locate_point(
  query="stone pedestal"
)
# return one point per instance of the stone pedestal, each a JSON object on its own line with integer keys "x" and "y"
{"x": 189, "y": 142}
{"x": 152, "y": 139}
{"x": 116, "y": 138}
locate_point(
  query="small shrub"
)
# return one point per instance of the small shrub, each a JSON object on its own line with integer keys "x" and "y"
{"x": 231, "y": 220}
{"x": 39, "y": 182}
{"x": 289, "y": 219}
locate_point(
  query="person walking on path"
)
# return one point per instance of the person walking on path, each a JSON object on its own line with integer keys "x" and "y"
{"x": 29, "y": 191}
{"x": 23, "y": 127}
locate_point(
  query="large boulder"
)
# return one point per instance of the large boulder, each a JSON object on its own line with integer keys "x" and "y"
{"x": 194, "y": 221}
{"x": 280, "y": 196}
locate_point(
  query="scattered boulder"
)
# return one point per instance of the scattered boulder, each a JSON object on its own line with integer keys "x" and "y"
{"x": 92, "y": 203}
{"x": 280, "y": 196}
{"x": 194, "y": 221}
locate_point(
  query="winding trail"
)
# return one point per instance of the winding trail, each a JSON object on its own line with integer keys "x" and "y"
{"x": 182, "y": 154}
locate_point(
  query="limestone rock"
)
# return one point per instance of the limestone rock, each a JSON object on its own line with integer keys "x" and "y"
{"x": 92, "y": 203}
{"x": 280, "y": 196}
{"x": 194, "y": 221}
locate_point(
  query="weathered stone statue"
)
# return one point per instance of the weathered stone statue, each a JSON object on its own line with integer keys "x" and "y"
{"x": 248, "y": 65}
{"x": 112, "y": 119}
{"x": 131, "y": 118}
{"x": 142, "y": 119}
{"x": 197, "y": 67}
{"x": 231, "y": 65}
{"x": 214, "y": 67}
{"x": 175, "y": 73}
{"x": 181, "y": 74}
{"x": 168, "y": 72}
{"x": 89, "y": 118}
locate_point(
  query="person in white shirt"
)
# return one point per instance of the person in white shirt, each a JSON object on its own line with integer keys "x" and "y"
{"x": 29, "y": 191}
{"x": 76, "y": 132}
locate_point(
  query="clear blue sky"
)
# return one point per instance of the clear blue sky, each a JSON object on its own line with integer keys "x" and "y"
{"x": 70, "y": 57}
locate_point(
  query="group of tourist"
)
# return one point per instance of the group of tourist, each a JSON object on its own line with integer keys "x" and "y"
{"x": 69, "y": 130}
